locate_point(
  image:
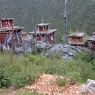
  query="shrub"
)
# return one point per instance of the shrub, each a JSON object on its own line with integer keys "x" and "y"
{"x": 61, "y": 82}
{"x": 88, "y": 57}
{"x": 75, "y": 76}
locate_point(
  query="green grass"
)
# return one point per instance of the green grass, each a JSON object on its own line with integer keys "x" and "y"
{"x": 61, "y": 82}
{"x": 21, "y": 70}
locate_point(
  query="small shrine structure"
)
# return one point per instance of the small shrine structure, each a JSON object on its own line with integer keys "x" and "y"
{"x": 9, "y": 33}
{"x": 43, "y": 33}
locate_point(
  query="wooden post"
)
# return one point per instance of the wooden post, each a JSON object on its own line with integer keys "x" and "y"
{"x": 13, "y": 41}
{"x": 35, "y": 29}
{"x": 42, "y": 20}
{"x": 65, "y": 23}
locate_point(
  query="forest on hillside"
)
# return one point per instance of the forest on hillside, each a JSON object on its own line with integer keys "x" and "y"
{"x": 27, "y": 13}
{"x": 28, "y": 63}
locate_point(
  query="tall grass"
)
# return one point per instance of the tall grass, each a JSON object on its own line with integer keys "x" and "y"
{"x": 21, "y": 70}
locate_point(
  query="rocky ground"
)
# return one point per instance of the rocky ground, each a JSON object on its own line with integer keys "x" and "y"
{"x": 46, "y": 85}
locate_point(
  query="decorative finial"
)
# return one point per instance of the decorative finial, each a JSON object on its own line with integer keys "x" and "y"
{"x": 42, "y": 20}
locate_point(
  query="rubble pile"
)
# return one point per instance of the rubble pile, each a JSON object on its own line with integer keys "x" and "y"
{"x": 29, "y": 45}
{"x": 46, "y": 85}
{"x": 26, "y": 45}
{"x": 66, "y": 51}
{"x": 43, "y": 45}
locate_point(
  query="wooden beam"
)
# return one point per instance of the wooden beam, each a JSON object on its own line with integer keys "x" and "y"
{"x": 65, "y": 23}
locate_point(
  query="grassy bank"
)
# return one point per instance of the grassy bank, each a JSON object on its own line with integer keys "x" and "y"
{"x": 22, "y": 70}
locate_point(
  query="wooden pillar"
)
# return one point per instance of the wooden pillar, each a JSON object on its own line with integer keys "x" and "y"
{"x": 65, "y": 23}
{"x": 13, "y": 41}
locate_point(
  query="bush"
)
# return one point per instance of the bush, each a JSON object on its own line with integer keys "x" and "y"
{"x": 75, "y": 77}
{"x": 88, "y": 57}
{"x": 61, "y": 82}
{"x": 87, "y": 65}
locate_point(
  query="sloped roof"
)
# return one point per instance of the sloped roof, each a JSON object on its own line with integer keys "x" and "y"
{"x": 7, "y": 19}
{"x": 42, "y": 24}
{"x": 44, "y": 32}
{"x": 10, "y": 28}
{"x": 79, "y": 34}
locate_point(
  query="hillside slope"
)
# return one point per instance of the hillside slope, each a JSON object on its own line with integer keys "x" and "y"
{"x": 81, "y": 13}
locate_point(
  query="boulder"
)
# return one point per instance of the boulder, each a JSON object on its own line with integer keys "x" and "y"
{"x": 88, "y": 88}
{"x": 66, "y": 51}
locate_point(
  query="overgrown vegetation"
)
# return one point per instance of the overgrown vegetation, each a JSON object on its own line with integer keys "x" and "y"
{"x": 21, "y": 70}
